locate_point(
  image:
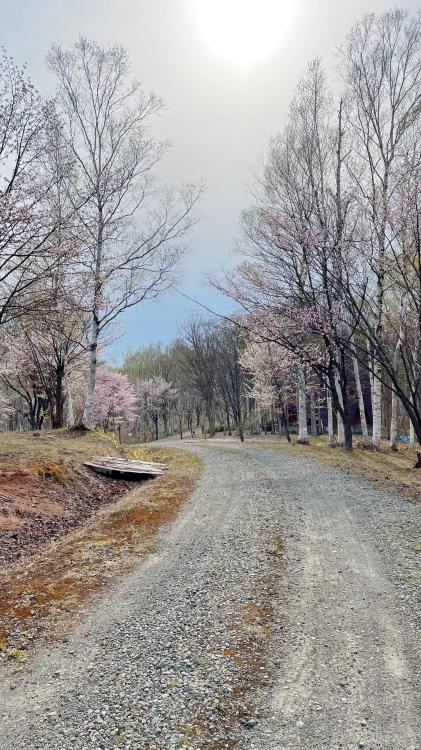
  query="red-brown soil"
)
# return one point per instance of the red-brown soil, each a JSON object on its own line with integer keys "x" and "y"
{"x": 50, "y": 573}
{"x": 42, "y": 497}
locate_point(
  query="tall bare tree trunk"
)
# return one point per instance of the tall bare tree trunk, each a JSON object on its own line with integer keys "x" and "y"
{"x": 370, "y": 374}
{"x": 330, "y": 431}
{"x": 360, "y": 396}
{"x": 377, "y": 370}
{"x": 377, "y": 406}
{"x": 302, "y": 407}
{"x": 313, "y": 419}
{"x": 93, "y": 352}
{"x": 339, "y": 420}
{"x": 57, "y": 415}
{"x": 93, "y": 346}
{"x": 211, "y": 419}
{"x": 394, "y": 434}
{"x": 413, "y": 442}
{"x": 70, "y": 418}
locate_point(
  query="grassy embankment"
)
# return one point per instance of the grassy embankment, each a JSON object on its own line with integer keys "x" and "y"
{"x": 81, "y": 530}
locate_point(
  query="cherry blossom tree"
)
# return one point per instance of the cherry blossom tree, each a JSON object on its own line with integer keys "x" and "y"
{"x": 114, "y": 399}
{"x": 273, "y": 382}
{"x": 153, "y": 396}
{"x": 23, "y": 378}
{"x": 324, "y": 239}
{"x": 9, "y": 404}
{"x": 298, "y": 240}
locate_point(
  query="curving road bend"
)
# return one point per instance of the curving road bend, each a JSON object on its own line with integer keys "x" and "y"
{"x": 334, "y": 661}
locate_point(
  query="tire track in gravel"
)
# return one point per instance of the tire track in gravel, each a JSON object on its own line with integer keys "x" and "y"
{"x": 148, "y": 668}
{"x": 350, "y": 654}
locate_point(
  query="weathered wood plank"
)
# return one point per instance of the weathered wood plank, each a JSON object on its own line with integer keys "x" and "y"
{"x": 112, "y": 466}
{"x": 131, "y": 461}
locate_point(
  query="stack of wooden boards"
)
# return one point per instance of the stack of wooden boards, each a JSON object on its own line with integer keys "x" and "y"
{"x": 125, "y": 468}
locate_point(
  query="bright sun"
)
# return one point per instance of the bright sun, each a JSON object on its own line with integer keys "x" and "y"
{"x": 242, "y": 30}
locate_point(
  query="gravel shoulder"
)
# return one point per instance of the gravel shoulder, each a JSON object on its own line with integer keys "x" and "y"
{"x": 218, "y": 641}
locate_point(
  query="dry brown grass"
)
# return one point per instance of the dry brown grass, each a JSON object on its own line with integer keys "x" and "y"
{"x": 39, "y": 599}
{"x": 47, "y": 448}
{"x": 392, "y": 469}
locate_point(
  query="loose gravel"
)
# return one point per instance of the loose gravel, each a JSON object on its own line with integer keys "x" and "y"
{"x": 214, "y": 643}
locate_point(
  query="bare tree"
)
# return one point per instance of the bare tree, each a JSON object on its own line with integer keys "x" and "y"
{"x": 132, "y": 235}
{"x": 201, "y": 353}
{"x": 230, "y": 373}
{"x": 26, "y": 226}
{"x": 396, "y": 347}
{"x": 382, "y": 71}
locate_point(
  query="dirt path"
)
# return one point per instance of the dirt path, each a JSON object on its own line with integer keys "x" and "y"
{"x": 219, "y": 642}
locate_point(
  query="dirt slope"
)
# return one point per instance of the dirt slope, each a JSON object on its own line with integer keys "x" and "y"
{"x": 45, "y": 490}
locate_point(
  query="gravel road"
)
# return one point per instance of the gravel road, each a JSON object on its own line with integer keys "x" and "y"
{"x": 332, "y": 657}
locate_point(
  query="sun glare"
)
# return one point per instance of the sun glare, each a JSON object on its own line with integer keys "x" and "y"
{"x": 242, "y": 30}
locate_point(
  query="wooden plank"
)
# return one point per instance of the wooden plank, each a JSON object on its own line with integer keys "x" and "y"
{"x": 138, "y": 465}
{"x": 121, "y": 467}
{"x": 130, "y": 461}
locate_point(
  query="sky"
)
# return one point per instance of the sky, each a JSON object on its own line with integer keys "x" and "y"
{"x": 226, "y": 84}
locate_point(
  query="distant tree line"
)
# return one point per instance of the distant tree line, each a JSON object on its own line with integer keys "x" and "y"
{"x": 195, "y": 384}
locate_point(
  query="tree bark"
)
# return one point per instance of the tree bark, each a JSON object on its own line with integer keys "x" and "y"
{"x": 211, "y": 420}
{"x": 93, "y": 349}
{"x": 285, "y": 419}
{"x": 165, "y": 420}
{"x": 313, "y": 420}
{"x": 70, "y": 419}
{"x": 413, "y": 442}
{"x": 228, "y": 422}
{"x": 377, "y": 406}
{"x": 377, "y": 369}
{"x": 330, "y": 430}
{"x": 394, "y": 434}
{"x": 360, "y": 396}
{"x": 59, "y": 398}
{"x": 302, "y": 408}
{"x": 339, "y": 420}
